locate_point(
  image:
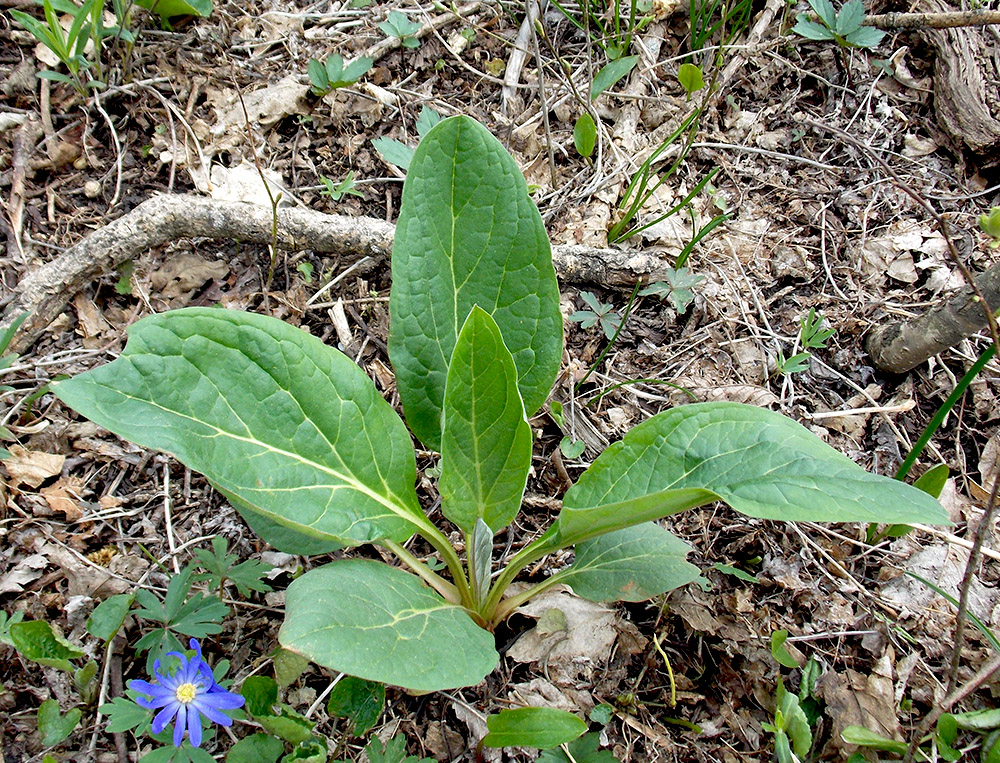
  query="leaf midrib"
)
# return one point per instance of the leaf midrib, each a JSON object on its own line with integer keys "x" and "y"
{"x": 350, "y": 482}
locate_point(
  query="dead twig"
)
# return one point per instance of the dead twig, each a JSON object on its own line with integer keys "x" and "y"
{"x": 942, "y": 20}
{"x": 45, "y": 291}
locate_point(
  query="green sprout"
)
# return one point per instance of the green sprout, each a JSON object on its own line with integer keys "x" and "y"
{"x": 846, "y": 28}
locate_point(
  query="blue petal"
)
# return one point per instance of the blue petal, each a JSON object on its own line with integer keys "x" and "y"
{"x": 213, "y": 714}
{"x": 159, "y": 699}
{"x": 221, "y": 700}
{"x": 184, "y": 674}
{"x": 179, "y": 726}
{"x": 165, "y": 716}
{"x": 194, "y": 725}
{"x": 145, "y": 687}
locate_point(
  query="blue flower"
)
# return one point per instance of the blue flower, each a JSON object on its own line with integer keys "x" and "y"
{"x": 187, "y": 694}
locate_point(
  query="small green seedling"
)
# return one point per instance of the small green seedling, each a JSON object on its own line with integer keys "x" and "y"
{"x": 476, "y": 343}
{"x": 846, "y": 28}
{"x": 333, "y": 74}
{"x": 585, "y": 135}
{"x": 812, "y": 336}
{"x": 67, "y": 45}
{"x": 676, "y": 287}
{"x": 611, "y": 73}
{"x": 305, "y": 269}
{"x": 691, "y": 79}
{"x": 811, "y": 332}
{"x": 570, "y": 447}
{"x": 792, "y": 733}
{"x": 989, "y": 223}
{"x": 398, "y": 153}
{"x": 399, "y": 26}
{"x": 345, "y": 187}
{"x": 599, "y": 313}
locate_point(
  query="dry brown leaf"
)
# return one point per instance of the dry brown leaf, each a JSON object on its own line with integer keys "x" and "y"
{"x": 63, "y": 497}
{"x": 538, "y": 692}
{"x": 583, "y": 647}
{"x": 853, "y": 699}
{"x": 32, "y": 467}
{"x": 243, "y": 183}
{"x": 25, "y": 571}
{"x": 91, "y": 323}
{"x": 988, "y": 462}
{"x": 184, "y": 273}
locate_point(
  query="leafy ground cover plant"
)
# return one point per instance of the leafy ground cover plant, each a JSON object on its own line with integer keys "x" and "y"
{"x": 845, "y": 27}
{"x": 299, "y": 440}
{"x": 399, "y": 26}
{"x": 812, "y": 336}
{"x": 327, "y": 77}
{"x": 86, "y": 25}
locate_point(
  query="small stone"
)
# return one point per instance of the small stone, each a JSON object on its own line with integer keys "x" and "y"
{"x": 91, "y": 189}
{"x": 80, "y": 163}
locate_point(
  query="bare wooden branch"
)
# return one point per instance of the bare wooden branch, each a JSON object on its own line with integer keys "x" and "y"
{"x": 941, "y": 20}
{"x": 898, "y": 347}
{"x": 45, "y": 291}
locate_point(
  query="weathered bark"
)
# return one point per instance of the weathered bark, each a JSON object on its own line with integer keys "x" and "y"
{"x": 965, "y": 95}
{"x": 45, "y": 291}
{"x": 898, "y": 347}
{"x": 942, "y": 20}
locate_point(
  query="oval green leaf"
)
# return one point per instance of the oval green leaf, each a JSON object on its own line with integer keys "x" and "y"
{"x": 761, "y": 463}
{"x": 633, "y": 564}
{"x": 486, "y": 444}
{"x": 290, "y": 428}
{"x": 380, "y": 623}
{"x": 611, "y": 73}
{"x": 690, "y": 77}
{"x": 585, "y": 134}
{"x": 170, "y": 8}
{"x": 541, "y": 727}
{"x": 468, "y": 234}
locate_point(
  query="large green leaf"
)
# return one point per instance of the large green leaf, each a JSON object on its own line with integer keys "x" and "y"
{"x": 633, "y": 564}
{"x": 761, "y": 463}
{"x": 542, "y": 727}
{"x": 486, "y": 445}
{"x": 289, "y": 428}
{"x": 468, "y": 234}
{"x": 383, "y": 624}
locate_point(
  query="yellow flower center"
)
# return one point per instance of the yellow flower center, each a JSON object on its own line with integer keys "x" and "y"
{"x": 186, "y": 693}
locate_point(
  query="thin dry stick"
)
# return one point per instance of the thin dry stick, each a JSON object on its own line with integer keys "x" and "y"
{"x": 541, "y": 91}
{"x": 941, "y": 20}
{"x": 944, "y": 20}
{"x": 975, "y": 554}
{"x": 273, "y": 246}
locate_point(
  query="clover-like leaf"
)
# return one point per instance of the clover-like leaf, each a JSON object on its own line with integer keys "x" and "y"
{"x": 812, "y": 30}
{"x": 850, "y": 17}
{"x": 865, "y": 37}
{"x": 826, "y": 12}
